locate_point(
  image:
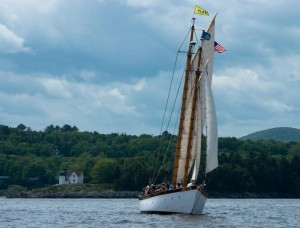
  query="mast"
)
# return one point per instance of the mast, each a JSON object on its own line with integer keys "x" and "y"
{"x": 183, "y": 108}
{"x": 192, "y": 125}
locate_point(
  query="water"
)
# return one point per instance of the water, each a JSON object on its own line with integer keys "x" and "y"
{"x": 125, "y": 213}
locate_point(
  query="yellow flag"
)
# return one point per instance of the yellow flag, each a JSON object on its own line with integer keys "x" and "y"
{"x": 199, "y": 10}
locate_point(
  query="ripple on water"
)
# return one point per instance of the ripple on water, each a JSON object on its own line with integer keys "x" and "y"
{"x": 125, "y": 213}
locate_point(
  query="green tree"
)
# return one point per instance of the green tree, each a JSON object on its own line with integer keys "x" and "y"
{"x": 106, "y": 170}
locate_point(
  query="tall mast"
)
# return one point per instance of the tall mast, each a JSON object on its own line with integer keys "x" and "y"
{"x": 192, "y": 118}
{"x": 183, "y": 105}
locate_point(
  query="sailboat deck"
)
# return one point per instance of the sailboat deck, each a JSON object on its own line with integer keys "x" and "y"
{"x": 158, "y": 193}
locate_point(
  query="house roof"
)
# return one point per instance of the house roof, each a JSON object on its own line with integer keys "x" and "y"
{"x": 78, "y": 173}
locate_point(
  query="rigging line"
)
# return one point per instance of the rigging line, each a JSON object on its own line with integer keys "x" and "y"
{"x": 176, "y": 123}
{"x": 175, "y": 100}
{"x": 172, "y": 139}
{"x": 162, "y": 139}
{"x": 205, "y": 78}
{"x": 172, "y": 111}
{"x": 169, "y": 145}
{"x": 173, "y": 73}
{"x": 168, "y": 124}
{"x": 162, "y": 124}
{"x": 166, "y": 106}
{"x": 196, "y": 37}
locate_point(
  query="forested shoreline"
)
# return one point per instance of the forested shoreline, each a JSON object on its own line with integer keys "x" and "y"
{"x": 122, "y": 162}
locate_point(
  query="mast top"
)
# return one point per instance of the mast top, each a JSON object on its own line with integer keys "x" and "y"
{"x": 193, "y": 21}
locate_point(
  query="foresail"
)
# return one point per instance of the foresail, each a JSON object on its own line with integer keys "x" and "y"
{"x": 212, "y": 130}
{"x": 210, "y": 112}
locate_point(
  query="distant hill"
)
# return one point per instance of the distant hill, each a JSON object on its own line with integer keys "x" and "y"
{"x": 284, "y": 134}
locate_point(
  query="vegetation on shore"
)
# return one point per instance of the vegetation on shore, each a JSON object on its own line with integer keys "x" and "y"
{"x": 33, "y": 159}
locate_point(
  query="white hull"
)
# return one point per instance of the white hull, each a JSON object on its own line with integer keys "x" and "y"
{"x": 190, "y": 201}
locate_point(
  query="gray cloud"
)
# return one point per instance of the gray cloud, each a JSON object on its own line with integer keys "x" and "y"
{"x": 105, "y": 65}
{"x": 10, "y": 42}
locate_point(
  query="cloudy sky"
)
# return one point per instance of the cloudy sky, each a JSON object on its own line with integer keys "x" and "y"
{"x": 105, "y": 65}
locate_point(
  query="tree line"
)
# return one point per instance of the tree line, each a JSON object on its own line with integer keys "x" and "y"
{"x": 126, "y": 162}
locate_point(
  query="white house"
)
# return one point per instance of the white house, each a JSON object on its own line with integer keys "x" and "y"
{"x": 71, "y": 178}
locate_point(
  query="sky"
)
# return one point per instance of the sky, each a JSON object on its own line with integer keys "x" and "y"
{"x": 106, "y": 65}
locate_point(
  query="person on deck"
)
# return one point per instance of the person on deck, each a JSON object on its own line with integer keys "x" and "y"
{"x": 191, "y": 183}
{"x": 171, "y": 187}
{"x": 147, "y": 190}
{"x": 179, "y": 185}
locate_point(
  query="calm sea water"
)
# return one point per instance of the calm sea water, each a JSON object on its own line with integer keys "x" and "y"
{"x": 125, "y": 213}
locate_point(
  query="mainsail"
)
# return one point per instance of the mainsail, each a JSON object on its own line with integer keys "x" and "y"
{"x": 187, "y": 136}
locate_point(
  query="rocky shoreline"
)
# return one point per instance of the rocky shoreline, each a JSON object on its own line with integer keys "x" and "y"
{"x": 89, "y": 192}
{"x": 135, "y": 194}
{"x": 53, "y": 194}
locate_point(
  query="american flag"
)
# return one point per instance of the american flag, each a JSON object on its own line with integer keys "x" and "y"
{"x": 219, "y": 48}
